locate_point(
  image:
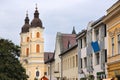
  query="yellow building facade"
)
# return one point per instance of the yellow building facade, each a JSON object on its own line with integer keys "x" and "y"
{"x": 112, "y": 20}
{"x": 32, "y": 47}
{"x": 69, "y": 64}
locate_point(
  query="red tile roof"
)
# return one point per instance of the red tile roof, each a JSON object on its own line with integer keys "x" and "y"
{"x": 67, "y": 39}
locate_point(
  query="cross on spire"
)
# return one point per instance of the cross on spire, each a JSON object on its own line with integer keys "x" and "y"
{"x": 27, "y": 13}
{"x": 36, "y": 6}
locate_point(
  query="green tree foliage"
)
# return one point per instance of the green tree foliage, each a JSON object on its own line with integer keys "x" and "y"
{"x": 10, "y": 67}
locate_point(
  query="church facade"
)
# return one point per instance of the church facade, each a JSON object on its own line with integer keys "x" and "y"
{"x": 32, "y": 47}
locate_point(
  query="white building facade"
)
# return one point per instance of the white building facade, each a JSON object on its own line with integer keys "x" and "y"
{"x": 92, "y": 51}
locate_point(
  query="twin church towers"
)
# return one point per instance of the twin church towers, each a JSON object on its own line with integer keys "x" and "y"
{"x": 32, "y": 47}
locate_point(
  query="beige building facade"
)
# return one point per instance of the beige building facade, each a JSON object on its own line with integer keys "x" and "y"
{"x": 32, "y": 47}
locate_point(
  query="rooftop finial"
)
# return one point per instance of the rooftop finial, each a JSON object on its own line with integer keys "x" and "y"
{"x": 27, "y": 19}
{"x": 27, "y": 13}
{"x": 36, "y": 6}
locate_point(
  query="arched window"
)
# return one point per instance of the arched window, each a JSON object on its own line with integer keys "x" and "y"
{"x": 27, "y": 39}
{"x": 38, "y": 35}
{"x": 27, "y": 51}
{"x": 37, "y": 48}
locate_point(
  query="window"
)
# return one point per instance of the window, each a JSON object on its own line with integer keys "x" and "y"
{"x": 27, "y": 51}
{"x": 85, "y": 62}
{"x": 112, "y": 46}
{"x": 91, "y": 59}
{"x": 69, "y": 45}
{"x": 97, "y": 34}
{"x": 119, "y": 44}
{"x": 58, "y": 66}
{"x": 85, "y": 42}
{"x": 97, "y": 58}
{"x": 66, "y": 64}
{"x": 81, "y": 62}
{"x": 76, "y": 60}
{"x": 70, "y": 62}
{"x": 37, "y": 48}
{"x": 105, "y": 30}
{"x": 106, "y": 55}
{"x": 48, "y": 70}
{"x": 38, "y": 35}
{"x": 27, "y": 39}
{"x": 73, "y": 61}
{"x": 81, "y": 43}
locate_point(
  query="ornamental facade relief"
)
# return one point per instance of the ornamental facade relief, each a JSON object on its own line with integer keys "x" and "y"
{"x": 116, "y": 31}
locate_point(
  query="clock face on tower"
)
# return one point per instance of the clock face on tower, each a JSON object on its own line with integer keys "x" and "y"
{"x": 37, "y": 73}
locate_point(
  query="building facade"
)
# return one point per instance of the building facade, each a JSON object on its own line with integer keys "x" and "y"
{"x": 69, "y": 63}
{"x": 82, "y": 54}
{"x": 32, "y": 47}
{"x": 99, "y": 49}
{"x": 55, "y": 65}
{"x": 112, "y": 20}
{"x": 49, "y": 63}
{"x": 92, "y": 51}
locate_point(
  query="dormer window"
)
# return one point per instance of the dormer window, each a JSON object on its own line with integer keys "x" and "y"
{"x": 69, "y": 45}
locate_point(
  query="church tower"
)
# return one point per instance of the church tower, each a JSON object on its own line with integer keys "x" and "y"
{"x": 32, "y": 47}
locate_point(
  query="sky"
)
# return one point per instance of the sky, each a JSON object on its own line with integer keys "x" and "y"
{"x": 56, "y": 16}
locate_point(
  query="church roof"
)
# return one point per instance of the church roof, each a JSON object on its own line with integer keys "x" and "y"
{"x": 26, "y": 26}
{"x": 36, "y": 22}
